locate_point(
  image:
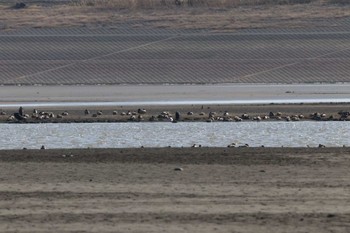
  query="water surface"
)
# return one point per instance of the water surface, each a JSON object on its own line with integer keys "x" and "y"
{"x": 161, "y": 134}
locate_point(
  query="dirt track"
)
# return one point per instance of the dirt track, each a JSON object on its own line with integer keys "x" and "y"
{"x": 137, "y": 190}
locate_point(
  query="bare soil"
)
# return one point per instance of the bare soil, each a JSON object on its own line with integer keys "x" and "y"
{"x": 138, "y": 190}
{"x": 44, "y": 14}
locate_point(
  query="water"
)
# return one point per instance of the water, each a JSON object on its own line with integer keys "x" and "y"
{"x": 161, "y": 134}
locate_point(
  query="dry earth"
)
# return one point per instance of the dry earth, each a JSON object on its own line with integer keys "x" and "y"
{"x": 138, "y": 190}
{"x": 43, "y": 14}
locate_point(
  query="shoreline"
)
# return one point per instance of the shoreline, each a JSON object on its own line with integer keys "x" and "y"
{"x": 173, "y": 155}
{"x": 187, "y": 113}
{"x": 9, "y": 105}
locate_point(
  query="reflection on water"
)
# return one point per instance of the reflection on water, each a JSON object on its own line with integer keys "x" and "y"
{"x": 160, "y": 134}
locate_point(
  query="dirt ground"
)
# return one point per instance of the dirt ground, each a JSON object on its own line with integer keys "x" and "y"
{"x": 138, "y": 190}
{"x": 50, "y": 14}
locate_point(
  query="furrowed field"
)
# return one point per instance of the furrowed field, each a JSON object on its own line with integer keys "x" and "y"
{"x": 155, "y": 41}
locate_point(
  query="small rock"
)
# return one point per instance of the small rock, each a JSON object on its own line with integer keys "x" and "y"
{"x": 42, "y": 147}
{"x": 64, "y": 156}
{"x": 178, "y": 169}
{"x": 330, "y": 215}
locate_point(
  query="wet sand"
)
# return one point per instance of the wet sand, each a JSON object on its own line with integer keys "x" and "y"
{"x": 138, "y": 190}
{"x": 184, "y": 93}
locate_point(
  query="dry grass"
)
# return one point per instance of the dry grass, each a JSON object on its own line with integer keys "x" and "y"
{"x": 223, "y": 15}
{"x": 146, "y": 4}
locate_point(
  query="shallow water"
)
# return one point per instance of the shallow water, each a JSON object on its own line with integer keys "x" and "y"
{"x": 218, "y": 134}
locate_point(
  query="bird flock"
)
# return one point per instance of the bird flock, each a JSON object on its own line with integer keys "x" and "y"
{"x": 142, "y": 114}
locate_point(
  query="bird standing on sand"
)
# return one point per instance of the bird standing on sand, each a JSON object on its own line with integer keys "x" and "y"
{"x": 177, "y": 116}
{"x": 21, "y": 111}
{"x": 20, "y": 114}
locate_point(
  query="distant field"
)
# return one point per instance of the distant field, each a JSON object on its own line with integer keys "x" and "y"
{"x": 219, "y": 15}
{"x": 210, "y": 3}
{"x": 200, "y": 3}
{"x": 147, "y": 42}
{"x": 155, "y": 56}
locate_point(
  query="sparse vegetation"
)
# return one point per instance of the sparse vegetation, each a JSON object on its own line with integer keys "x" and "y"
{"x": 220, "y": 15}
{"x": 137, "y": 4}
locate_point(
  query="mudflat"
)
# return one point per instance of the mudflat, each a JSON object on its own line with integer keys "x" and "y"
{"x": 119, "y": 103}
{"x": 141, "y": 94}
{"x": 139, "y": 190}
{"x": 188, "y": 113}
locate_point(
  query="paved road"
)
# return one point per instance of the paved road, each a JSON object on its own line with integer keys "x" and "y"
{"x": 132, "y": 56}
